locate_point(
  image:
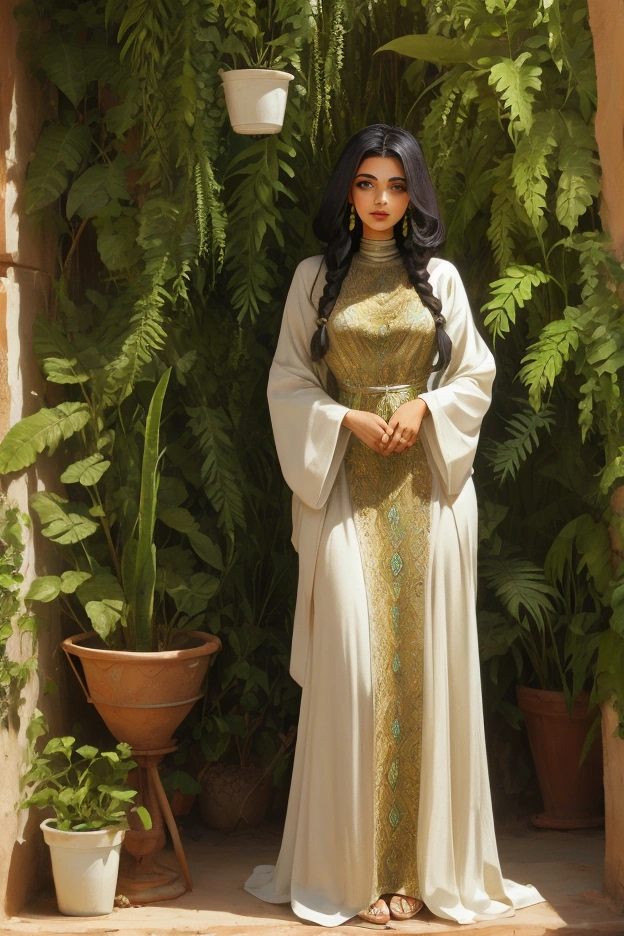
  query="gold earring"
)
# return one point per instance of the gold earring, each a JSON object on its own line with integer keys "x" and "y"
{"x": 352, "y": 218}
{"x": 405, "y": 228}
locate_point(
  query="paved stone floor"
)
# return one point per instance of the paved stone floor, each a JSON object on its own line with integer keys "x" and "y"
{"x": 565, "y": 866}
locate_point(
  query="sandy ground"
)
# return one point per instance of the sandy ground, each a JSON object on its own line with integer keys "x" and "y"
{"x": 566, "y": 867}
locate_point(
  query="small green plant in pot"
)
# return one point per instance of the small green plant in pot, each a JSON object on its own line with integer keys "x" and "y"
{"x": 89, "y": 794}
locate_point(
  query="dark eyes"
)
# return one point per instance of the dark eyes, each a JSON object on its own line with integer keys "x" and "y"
{"x": 366, "y": 184}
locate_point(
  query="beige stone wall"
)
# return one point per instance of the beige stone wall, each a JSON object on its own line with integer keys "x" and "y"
{"x": 26, "y": 265}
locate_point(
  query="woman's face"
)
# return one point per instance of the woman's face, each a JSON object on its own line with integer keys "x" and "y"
{"x": 379, "y": 195}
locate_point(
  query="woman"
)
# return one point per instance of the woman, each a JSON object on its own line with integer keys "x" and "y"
{"x": 377, "y": 392}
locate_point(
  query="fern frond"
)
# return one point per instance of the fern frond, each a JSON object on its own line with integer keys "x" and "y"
{"x": 579, "y": 182}
{"x": 511, "y": 292}
{"x": 210, "y": 214}
{"x": 144, "y": 338}
{"x": 515, "y": 80}
{"x": 522, "y": 432}
{"x": 531, "y": 170}
{"x": 252, "y": 213}
{"x": 547, "y": 357}
{"x": 503, "y": 216}
{"x": 221, "y": 471}
{"x": 520, "y": 586}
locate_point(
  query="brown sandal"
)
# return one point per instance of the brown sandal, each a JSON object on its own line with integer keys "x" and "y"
{"x": 402, "y": 907}
{"x": 380, "y": 915}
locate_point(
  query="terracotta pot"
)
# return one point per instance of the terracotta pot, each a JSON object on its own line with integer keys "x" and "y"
{"x": 572, "y": 795}
{"x": 231, "y": 795}
{"x": 143, "y": 697}
{"x": 182, "y": 803}
{"x": 614, "y": 807}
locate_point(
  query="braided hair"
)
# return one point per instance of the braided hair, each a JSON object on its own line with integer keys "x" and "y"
{"x": 425, "y": 227}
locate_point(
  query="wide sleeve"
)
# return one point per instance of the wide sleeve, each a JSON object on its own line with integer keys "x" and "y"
{"x": 307, "y": 422}
{"x": 457, "y": 406}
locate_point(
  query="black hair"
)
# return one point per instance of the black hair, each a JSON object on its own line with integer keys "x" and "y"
{"x": 425, "y": 233}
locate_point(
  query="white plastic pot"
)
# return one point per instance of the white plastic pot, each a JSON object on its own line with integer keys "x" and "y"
{"x": 85, "y": 867}
{"x": 256, "y": 99}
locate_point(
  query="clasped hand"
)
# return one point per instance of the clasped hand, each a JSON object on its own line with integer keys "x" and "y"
{"x": 394, "y": 436}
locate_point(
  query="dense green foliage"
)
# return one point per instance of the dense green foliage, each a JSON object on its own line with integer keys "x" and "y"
{"x": 177, "y": 241}
{"x": 509, "y": 137}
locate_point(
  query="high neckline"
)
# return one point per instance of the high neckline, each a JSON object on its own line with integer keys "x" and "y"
{"x": 378, "y": 251}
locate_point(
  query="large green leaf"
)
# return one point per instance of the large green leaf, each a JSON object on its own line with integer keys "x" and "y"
{"x": 63, "y": 62}
{"x": 71, "y": 580}
{"x": 193, "y": 599}
{"x": 60, "y": 150}
{"x": 45, "y": 429}
{"x": 56, "y": 355}
{"x": 443, "y": 51}
{"x": 96, "y": 187}
{"x": 102, "y": 586}
{"x": 177, "y": 518}
{"x": 116, "y": 238}
{"x": 63, "y": 522}
{"x": 45, "y": 588}
{"x": 104, "y": 615}
{"x": 206, "y": 549}
{"x": 515, "y": 80}
{"x": 520, "y": 585}
{"x": 182, "y": 520}
{"x": 87, "y": 471}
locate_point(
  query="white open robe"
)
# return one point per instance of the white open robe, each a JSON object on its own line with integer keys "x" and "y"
{"x": 325, "y": 866}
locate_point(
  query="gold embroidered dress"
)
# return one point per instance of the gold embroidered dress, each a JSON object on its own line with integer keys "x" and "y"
{"x": 381, "y": 334}
{"x": 390, "y": 790}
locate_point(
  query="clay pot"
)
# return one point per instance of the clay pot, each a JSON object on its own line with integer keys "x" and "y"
{"x": 182, "y": 803}
{"x": 572, "y": 796}
{"x": 614, "y": 807}
{"x": 143, "y": 697}
{"x": 231, "y": 795}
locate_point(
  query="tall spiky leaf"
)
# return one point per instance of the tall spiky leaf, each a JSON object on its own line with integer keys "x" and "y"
{"x": 145, "y": 567}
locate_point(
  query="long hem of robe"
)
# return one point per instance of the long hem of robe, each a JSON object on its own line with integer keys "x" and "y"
{"x": 325, "y": 868}
{"x": 329, "y": 824}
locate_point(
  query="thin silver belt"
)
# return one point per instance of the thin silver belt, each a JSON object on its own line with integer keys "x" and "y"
{"x": 374, "y": 390}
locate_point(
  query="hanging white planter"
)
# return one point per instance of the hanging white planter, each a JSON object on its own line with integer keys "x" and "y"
{"x": 256, "y": 99}
{"x": 85, "y": 867}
